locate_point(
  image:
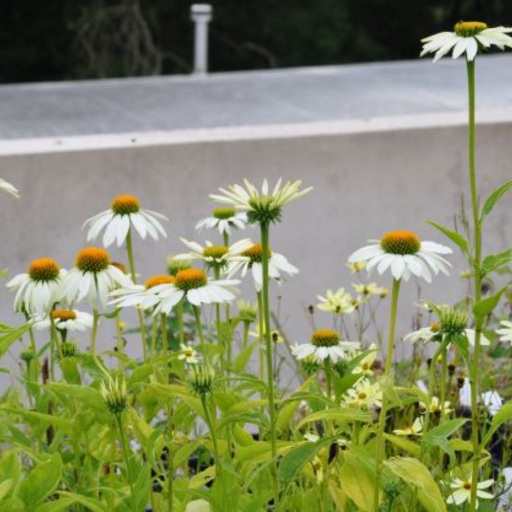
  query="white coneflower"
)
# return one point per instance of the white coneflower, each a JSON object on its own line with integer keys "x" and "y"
{"x": 39, "y": 289}
{"x": 468, "y": 37}
{"x": 125, "y": 213}
{"x": 93, "y": 278}
{"x": 325, "y": 344}
{"x": 437, "y": 408}
{"x": 339, "y": 302}
{"x": 252, "y": 258}
{"x": 214, "y": 256}
{"x": 365, "y": 395}
{"x": 224, "y": 220}
{"x": 505, "y": 332}
{"x": 262, "y": 207}
{"x": 462, "y": 491}
{"x": 70, "y": 320}
{"x": 188, "y": 354}
{"x": 416, "y": 429}
{"x": 194, "y": 286}
{"x": 405, "y": 255}
{"x": 8, "y": 188}
{"x": 144, "y": 296}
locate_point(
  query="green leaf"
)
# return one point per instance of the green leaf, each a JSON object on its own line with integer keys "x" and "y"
{"x": 56, "y": 506}
{"x": 358, "y": 482}
{"x": 141, "y": 489}
{"x": 416, "y": 475}
{"x": 41, "y": 482}
{"x": 494, "y": 198}
{"x": 455, "y": 237}
{"x": 439, "y": 435}
{"x": 243, "y": 358}
{"x": 486, "y": 306}
{"x": 494, "y": 262}
{"x": 8, "y": 339}
{"x": 336, "y": 415}
{"x": 293, "y": 462}
{"x": 404, "y": 444}
{"x": 92, "y": 504}
{"x": 503, "y": 415}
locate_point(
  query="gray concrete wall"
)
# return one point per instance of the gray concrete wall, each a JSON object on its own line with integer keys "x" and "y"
{"x": 369, "y": 177}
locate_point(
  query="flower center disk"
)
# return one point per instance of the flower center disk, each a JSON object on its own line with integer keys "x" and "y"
{"x": 92, "y": 259}
{"x": 44, "y": 269}
{"x": 400, "y": 242}
{"x": 124, "y": 205}
{"x": 158, "y": 280}
{"x": 255, "y": 253}
{"x": 215, "y": 251}
{"x": 190, "y": 279}
{"x": 223, "y": 213}
{"x": 325, "y": 338}
{"x": 469, "y": 28}
{"x": 63, "y": 314}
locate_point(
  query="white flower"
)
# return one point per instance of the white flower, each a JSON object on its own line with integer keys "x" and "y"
{"x": 424, "y": 334}
{"x": 493, "y": 401}
{"x": 39, "y": 289}
{"x": 435, "y": 406}
{"x": 117, "y": 221}
{"x": 405, "y": 255}
{"x": 366, "y": 364}
{"x": 325, "y": 344}
{"x": 8, "y": 188}
{"x": 414, "y": 430}
{"x": 251, "y": 259}
{"x": 224, "y": 219}
{"x": 275, "y": 335}
{"x": 188, "y": 354}
{"x": 251, "y": 200}
{"x": 462, "y": 491}
{"x": 367, "y": 290}
{"x": 70, "y": 320}
{"x": 339, "y": 302}
{"x": 93, "y": 278}
{"x": 143, "y": 296}
{"x": 194, "y": 286}
{"x": 506, "y": 331}
{"x": 214, "y": 255}
{"x": 365, "y": 395}
{"x": 467, "y": 38}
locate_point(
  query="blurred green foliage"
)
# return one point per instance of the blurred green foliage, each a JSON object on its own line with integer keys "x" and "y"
{"x": 70, "y": 39}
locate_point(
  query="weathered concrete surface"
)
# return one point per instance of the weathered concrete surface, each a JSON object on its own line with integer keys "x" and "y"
{"x": 370, "y": 173}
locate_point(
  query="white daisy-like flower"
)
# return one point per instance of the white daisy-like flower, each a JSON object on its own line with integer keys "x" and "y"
{"x": 436, "y": 407}
{"x": 365, "y": 395}
{"x": 218, "y": 256}
{"x": 468, "y": 37}
{"x": 188, "y": 354}
{"x": 39, "y": 289}
{"x": 194, "y": 286}
{"x": 275, "y": 335}
{"x": 326, "y": 344}
{"x": 367, "y": 290}
{"x": 224, "y": 220}
{"x": 125, "y": 213}
{"x": 93, "y": 278}
{"x": 426, "y": 334}
{"x": 505, "y": 332}
{"x": 462, "y": 491}
{"x": 252, "y": 258}
{"x": 70, "y": 320}
{"x": 405, "y": 255}
{"x": 493, "y": 401}
{"x": 8, "y": 188}
{"x": 143, "y": 296}
{"x": 264, "y": 206}
{"x": 339, "y": 302}
{"x": 365, "y": 366}
{"x": 416, "y": 429}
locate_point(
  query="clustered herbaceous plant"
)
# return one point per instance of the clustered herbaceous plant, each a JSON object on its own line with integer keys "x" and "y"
{"x": 203, "y": 422}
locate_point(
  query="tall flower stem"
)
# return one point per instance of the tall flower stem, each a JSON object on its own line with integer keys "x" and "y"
{"x": 181, "y": 325}
{"x": 94, "y": 332}
{"x": 218, "y": 323}
{"x": 269, "y": 353}
{"x": 154, "y": 334}
{"x": 165, "y": 347}
{"x": 129, "y": 251}
{"x": 477, "y": 257}
{"x": 380, "y": 450}
{"x": 125, "y": 455}
{"x": 197, "y": 314}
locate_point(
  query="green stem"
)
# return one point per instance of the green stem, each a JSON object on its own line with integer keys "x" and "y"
{"x": 126, "y": 457}
{"x": 382, "y": 418}
{"x": 213, "y": 432}
{"x": 119, "y": 339}
{"x": 247, "y": 326}
{"x": 197, "y": 315}
{"x": 154, "y": 333}
{"x": 129, "y": 251}
{"x": 170, "y": 455}
{"x": 181, "y": 325}
{"x": 94, "y": 332}
{"x": 218, "y": 323}
{"x": 165, "y": 347}
{"x": 269, "y": 354}
{"x": 478, "y": 284}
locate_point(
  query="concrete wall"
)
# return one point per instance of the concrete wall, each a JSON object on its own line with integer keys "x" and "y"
{"x": 369, "y": 177}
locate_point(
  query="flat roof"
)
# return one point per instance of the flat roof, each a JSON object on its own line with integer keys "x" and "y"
{"x": 250, "y": 99}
